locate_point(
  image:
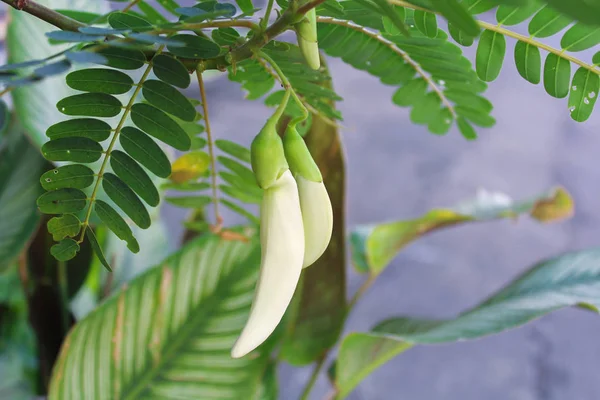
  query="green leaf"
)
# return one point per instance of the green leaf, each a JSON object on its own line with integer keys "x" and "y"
{"x": 51, "y": 69}
{"x": 244, "y": 172}
{"x": 459, "y": 36}
{"x": 239, "y": 210}
{"x": 515, "y": 14}
{"x": 90, "y": 128}
{"x": 490, "y": 55}
{"x": 388, "y": 10}
{"x": 233, "y": 149}
{"x": 91, "y": 236}
{"x": 65, "y": 226}
{"x": 225, "y": 36}
{"x": 567, "y": 280}
{"x": 153, "y": 15}
{"x": 240, "y": 194}
{"x": 72, "y": 37}
{"x": 65, "y": 250}
{"x": 116, "y": 224}
{"x": 197, "y": 303}
{"x": 134, "y": 176}
{"x": 360, "y": 354}
{"x": 456, "y": 13}
{"x": 69, "y": 176}
{"x": 158, "y": 124}
{"x": 85, "y": 57}
{"x": 119, "y": 20}
{"x": 169, "y": 99}
{"x": 583, "y": 94}
{"x": 62, "y": 201}
{"x": 143, "y": 149}
{"x": 580, "y": 37}
{"x": 171, "y": 71}
{"x": 195, "y": 47}
{"x": 528, "y": 61}
{"x": 411, "y": 93}
{"x": 26, "y": 40}
{"x": 190, "y": 201}
{"x": 20, "y": 167}
{"x": 245, "y": 5}
{"x": 76, "y": 149}
{"x": 466, "y": 129}
{"x": 547, "y": 22}
{"x": 190, "y": 166}
{"x": 126, "y": 199}
{"x": 374, "y": 247}
{"x": 586, "y": 11}
{"x": 426, "y": 22}
{"x": 100, "y": 80}
{"x": 81, "y": 16}
{"x": 90, "y": 104}
{"x": 318, "y": 320}
{"x": 557, "y": 75}
{"x": 121, "y": 58}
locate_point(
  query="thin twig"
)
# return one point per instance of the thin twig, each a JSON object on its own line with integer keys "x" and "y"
{"x": 313, "y": 377}
{"x": 130, "y": 5}
{"x": 211, "y": 151}
{"x": 395, "y": 49}
{"x": 45, "y": 14}
{"x": 265, "y": 20}
{"x": 7, "y": 90}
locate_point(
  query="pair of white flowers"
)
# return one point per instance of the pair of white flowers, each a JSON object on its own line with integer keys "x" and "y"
{"x": 296, "y": 222}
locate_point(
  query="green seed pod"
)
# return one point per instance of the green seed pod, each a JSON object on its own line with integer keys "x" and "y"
{"x": 267, "y": 156}
{"x": 298, "y": 156}
{"x": 306, "y": 32}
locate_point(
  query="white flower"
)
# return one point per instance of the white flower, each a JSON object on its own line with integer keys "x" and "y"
{"x": 282, "y": 253}
{"x": 317, "y": 217}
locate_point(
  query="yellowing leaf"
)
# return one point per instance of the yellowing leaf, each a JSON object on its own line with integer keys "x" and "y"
{"x": 190, "y": 166}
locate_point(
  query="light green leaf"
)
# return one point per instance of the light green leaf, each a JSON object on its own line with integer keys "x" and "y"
{"x": 190, "y": 201}
{"x": 426, "y": 22}
{"x": 515, "y": 14}
{"x": 490, "y": 55}
{"x": 145, "y": 151}
{"x": 25, "y": 40}
{"x": 557, "y": 76}
{"x": 126, "y": 199}
{"x": 583, "y": 94}
{"x": 134, "y": 176}
{"x": 459, "y": 36}
{"x": 547, "y": 22}
{"x": 374, "y": 247}
{"x": 360, "y": 354}
{"x": 586, "y": 11}
{"x": 466, "y": 129}
{"x": 65, "y": 226}
{"x": 456, "y": 13}
{"x": 528, "y": 61}
{"x": 179, "y": 345}
{"x": 234, "y": 149}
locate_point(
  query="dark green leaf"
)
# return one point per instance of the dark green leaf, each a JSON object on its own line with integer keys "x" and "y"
{"x": 67, "y": 225}
{"x": 490, "y": 55}
{"x": 583, "y": 95}
{"x": 90, "y": 104}
{"x": 117, "y": 224}
{"x": 143, "y": 149}
{"x": 74, "y": 176}
{"x": 96, "y": 247}
{"x": 586, "y": 11}
{"x": 126, "y": 199}
{"x": 171, "y": 71}
{"x": 96, "y": 30}
{"x": 225, "y": 36}
{"x": 195, "y": 47}
{"x": 158, "y": 124}
{"x": 456, "y": 13}
{"x": 515, "y": 14}
{"x": 169, "y": 99}
{"x": 119, "y": 20}
{"x": 4, "y": 118}
{"x": 233, "y": 149}
{"x": 580, "y": 37}
{"x": 100, "y": 80}
{"x": 426, "y": 22}
{"x": 547, "y": 22}
{"x": 81, "y": 16}
{"x": 84, "y": 57}
{"x": 360, "y": 354}
{"x": 411, "y": 93}
{"x": 65, "y": 250}
{"x": 529, "y": 62}
{"x": 155, "y": 39}
{"x": 134, "y": 176}
{"x": 190, "y": 201}
{"x": 75, "y": 149}
{"x": 245, "y": 5}
{"x": 557, "y": 75}
{"x": 121, "y": 58}
{"x": 90, "y": 128}
{"x": 62, "y": 201}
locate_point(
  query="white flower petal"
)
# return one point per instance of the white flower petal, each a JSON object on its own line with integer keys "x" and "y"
{"x": 282, "y": 242}
{"x": 317, "y": 217}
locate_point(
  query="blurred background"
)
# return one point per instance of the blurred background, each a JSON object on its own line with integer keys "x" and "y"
{"x": 397, "y": 170}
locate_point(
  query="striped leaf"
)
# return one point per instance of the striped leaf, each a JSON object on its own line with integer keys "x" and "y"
{"x": 176, "y": 346}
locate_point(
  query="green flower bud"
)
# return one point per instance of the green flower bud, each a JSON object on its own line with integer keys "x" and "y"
{"x": 267, "y": 156}
{"x": 298, "y": 156}
{"x": 306, "y": 32}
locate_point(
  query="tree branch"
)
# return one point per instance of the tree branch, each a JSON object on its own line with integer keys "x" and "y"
{"x": 45, "y": 14}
